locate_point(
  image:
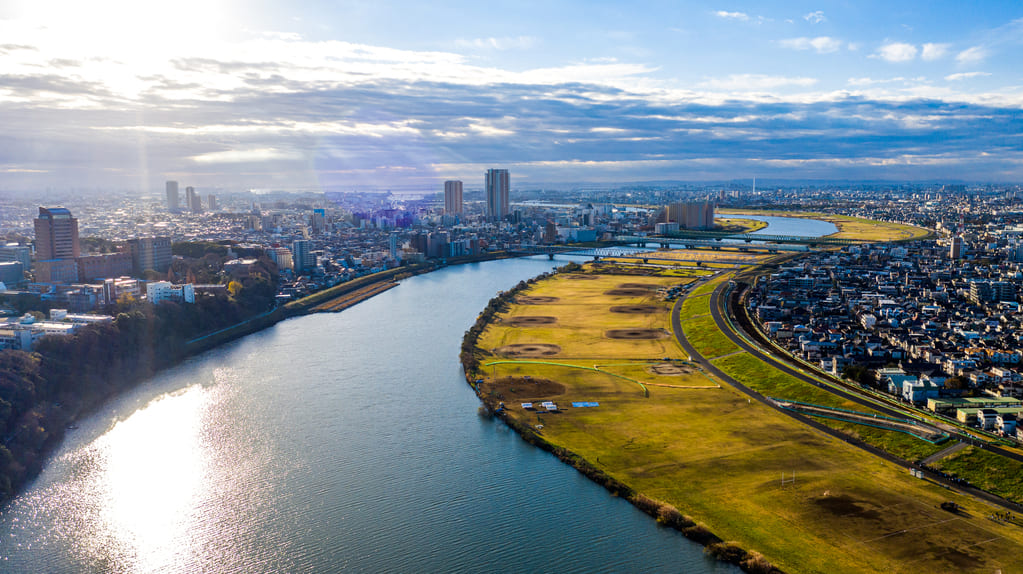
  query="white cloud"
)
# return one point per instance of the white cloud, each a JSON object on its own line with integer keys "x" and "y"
{"x": 741, "y": 16}
{"x": 815, "y": 17}
{"x": 821, "y": 44}
{"x": 966, "y": 76}
{"x": 486, "y": 128}
{"x": 972, "y": 55}
{"x": 246, "y": 156}
{"x": 501, "y": 44}
{"x": 931, "y": 52}
{"x": 755, "y": 82}
{"x": 896, "y": 52}
{"x": 871, "y": 81}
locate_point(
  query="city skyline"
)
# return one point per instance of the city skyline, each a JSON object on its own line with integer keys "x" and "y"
{"x": 358, "y": 96}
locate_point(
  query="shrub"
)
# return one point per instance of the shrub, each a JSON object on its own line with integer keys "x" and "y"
{"x": 646, "y": 504}
{"x": 755, "y": 563}
{"x": 668, "y": 515}
{"x": 700, "y": 533}
{"x": 727, "y": 552}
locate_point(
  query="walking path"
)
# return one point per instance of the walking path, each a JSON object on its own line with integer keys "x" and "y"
{"x": 942, "y": 454}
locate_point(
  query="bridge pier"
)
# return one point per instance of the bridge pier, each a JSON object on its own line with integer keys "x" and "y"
{"x": 550, "y": 256}
{"x": 596, "y": 257}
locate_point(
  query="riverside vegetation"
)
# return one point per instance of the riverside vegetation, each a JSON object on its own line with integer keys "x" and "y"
{"x": 44, "y": 391}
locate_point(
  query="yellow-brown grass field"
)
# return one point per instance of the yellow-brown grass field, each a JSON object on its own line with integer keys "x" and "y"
{"x": 710, "y": 451}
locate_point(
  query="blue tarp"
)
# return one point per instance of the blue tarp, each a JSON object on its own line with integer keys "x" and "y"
{"x": 585, "y": 404}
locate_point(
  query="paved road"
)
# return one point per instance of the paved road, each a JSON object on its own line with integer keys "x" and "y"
{"x": 942, "y": 454}
{"x": 716, "y": 311}
{"x": 676, "y": 323}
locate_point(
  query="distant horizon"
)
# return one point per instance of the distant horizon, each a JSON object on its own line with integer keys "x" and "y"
{"x": 555, "y": 186}
{"x": 392, "y": 95}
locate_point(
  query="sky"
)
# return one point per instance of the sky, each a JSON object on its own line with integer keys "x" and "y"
{"x": 373, "y": 95}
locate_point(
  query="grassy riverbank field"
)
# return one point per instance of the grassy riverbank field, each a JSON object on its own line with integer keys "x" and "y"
{"x": 675, "y": 434}
{"x": 855, "y": 228}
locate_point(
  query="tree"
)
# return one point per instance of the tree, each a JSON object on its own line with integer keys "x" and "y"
{"x": 957, "y": 383}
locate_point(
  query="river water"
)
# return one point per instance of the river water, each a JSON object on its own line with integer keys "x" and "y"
{"x": 792, "y": 226}
{"x": 331, "y": 442}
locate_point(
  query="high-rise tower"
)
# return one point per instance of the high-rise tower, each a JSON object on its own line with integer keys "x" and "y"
{"x": 453, "y": 197}
{"x": 497, "y": 186}
{"x": 193, "y": 200}
{"x": 172, "y": 196}
{"x": 56, "y": 234}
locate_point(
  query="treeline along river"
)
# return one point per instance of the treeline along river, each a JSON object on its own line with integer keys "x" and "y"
{"x": 330, "y": 442}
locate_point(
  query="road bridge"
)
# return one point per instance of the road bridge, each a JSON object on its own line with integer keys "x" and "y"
{"x": 598, "y": 253}
{"x": 667, "y": 242}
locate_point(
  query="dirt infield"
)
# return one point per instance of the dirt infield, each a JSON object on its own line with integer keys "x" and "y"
{"x": 528, "y": 350}
{"x": 524, "y": 388}
{"x": 635, "y": 334}
{"x": 637, "y": 309}
{"x": 530, "y": 321}
{"x": 667, "y": 369}
{"x": 535, "y": 300}
{"x": 631, "y": 292}
{"x": 643, "y": 286}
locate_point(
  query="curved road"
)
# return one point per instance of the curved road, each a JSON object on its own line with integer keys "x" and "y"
{"x": 724, "y": 327}
{"x": 716, "y": 310}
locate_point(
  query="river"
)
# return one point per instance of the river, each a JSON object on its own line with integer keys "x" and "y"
{"x": 331, "y": 442}
{"x": 797, "y": 226}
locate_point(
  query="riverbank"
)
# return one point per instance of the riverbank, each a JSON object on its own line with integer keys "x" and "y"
{"x": 709, "y": 452}
{"x": 638, "y": 371}
{"x": 46, "y": 428}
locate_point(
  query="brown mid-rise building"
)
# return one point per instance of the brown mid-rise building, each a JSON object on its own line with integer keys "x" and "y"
{"x": 56, "y": 234}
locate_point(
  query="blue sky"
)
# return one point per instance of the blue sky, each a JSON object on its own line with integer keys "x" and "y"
{"x": 354, "y": 95}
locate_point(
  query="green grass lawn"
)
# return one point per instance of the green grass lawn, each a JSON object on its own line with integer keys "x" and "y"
{"x": 987, "y": 470}
{"x": 703, "y": 334}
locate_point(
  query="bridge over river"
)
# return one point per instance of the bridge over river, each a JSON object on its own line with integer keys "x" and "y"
{"x": 626, "y": 252}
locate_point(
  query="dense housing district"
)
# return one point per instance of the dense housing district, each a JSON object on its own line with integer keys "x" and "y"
{"x": 936, "y": 323}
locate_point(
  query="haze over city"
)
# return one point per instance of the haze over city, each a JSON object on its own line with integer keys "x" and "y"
{"x": 403, "y": 95}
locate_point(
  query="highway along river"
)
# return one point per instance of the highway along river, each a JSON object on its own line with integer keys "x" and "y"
{"x": 333, "y": 442}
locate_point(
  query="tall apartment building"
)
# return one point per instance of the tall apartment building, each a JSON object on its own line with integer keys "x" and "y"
{"x": 992, "y": 291}
{"x": 193, "y": 200}
{"x": 497, "y": 186}
{"x": 692, "y": 214}
{"x": 282, "y": 257}
{"x": 150, "y": 253}
{"x": 302, "y": 255}
{"x": 172, "y": 196}
{"x": 211, "y": 202}
{"x": 56, "y": 246}
{"x": 453, "y": 197}
{"x": 318, "y": 221}
{"x": 955, "y": 248}
{"x": 56, "y": 234}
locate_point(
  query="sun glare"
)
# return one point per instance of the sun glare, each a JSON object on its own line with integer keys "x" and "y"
{"x": 152, "y": 481}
